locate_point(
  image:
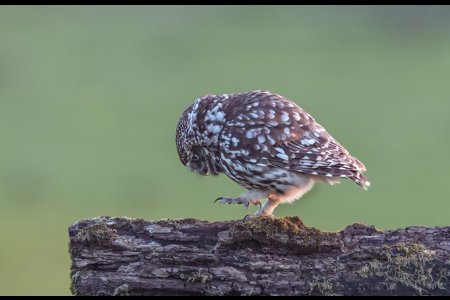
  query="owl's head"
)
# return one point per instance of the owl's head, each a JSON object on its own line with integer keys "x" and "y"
{"x": 196, "y": 159}
{"x": 196, "y": 145}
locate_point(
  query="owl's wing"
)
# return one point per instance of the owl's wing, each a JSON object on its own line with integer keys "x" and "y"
{"x": 281, "y": 134}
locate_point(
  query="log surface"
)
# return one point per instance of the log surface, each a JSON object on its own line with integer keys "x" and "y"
{"x": 264, "y": 256}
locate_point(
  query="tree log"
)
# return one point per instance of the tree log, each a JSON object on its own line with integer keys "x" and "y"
{"x": 263, "y": 256}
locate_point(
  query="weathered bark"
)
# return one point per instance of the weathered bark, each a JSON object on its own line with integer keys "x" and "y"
{"x": 264, "y": 256}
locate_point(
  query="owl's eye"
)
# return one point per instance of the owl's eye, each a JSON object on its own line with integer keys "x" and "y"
{"x": 195, "y": 157}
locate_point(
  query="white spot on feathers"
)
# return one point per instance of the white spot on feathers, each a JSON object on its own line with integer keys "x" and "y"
{"x": 283, "y": 156}
{"x": 272, "y": 123}
{"x": 220, "y": 116}
{"x": 271, "y": 140}
{"x": 279, "y": 150}
{"x": 250, "y": 134}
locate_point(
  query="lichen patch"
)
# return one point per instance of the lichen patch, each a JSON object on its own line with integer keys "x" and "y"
{"x": 410, "y": 264}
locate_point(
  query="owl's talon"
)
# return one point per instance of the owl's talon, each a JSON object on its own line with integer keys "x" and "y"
{"x": 247, "y": 204}
{"x": 249, "y": 216}
{"x": 220, "y": 198}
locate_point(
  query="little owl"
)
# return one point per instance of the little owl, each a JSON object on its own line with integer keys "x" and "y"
{"x": 265, "y": 143}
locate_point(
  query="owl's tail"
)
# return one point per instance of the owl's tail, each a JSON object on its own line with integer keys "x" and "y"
{"x": 360, "y": 180}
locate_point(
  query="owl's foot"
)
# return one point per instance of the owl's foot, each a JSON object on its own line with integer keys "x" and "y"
{"x": 230, "y": 200}
{"x": 251, "y": 216}
{"x": 248, "y": 217}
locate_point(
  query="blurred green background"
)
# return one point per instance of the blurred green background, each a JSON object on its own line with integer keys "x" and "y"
{"x": 90, "y": 98}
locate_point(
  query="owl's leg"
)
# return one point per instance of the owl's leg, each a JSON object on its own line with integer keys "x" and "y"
{"x": 250, "y": 197}
{"x": 268, "y": 207}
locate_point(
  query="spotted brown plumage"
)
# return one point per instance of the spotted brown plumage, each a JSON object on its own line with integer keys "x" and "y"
{"x": 265, "y": 143}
